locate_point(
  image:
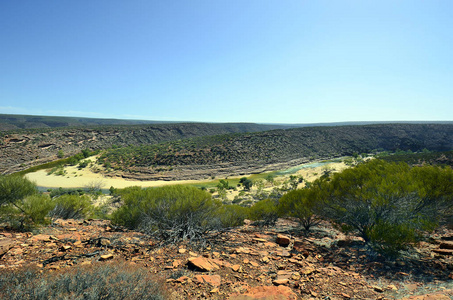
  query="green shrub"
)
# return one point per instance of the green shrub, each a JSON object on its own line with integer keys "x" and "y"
{"x": 61, "y": 191}
{"x": 71, "y": 207}
{"x": 83, "y": 164}
{"x": 106, "y": 281}
{"x": 233, "y": 215}
{"x": 17, "y": 198}
{"x": 303, "y": 204}
{"x": 171, "y": 213}
{"x": 264, "y": 212}
{"x": 388, "y": 204}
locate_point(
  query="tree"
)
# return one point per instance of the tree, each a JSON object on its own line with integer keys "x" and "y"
{"x": 246, "y": 183}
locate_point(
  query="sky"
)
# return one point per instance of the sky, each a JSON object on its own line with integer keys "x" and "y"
{"x": 228, "y": 61}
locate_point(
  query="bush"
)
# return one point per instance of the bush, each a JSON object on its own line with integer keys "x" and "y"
{"x": 17, "y": 202}
{"x": 232, "y": 215}
{"x": 61, "y": 191}
{"x": 388, "y": 204}
{"x": 71, "y": 207}
{"x": 106, "y": 281}
{"x": 27, "y": 212}
{"x": 302, "y": 204}
{"x": 264, "y": 212}
{"x": 171, "y": 213}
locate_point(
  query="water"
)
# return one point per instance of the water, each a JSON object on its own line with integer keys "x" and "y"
{"x": 293, "y": 170}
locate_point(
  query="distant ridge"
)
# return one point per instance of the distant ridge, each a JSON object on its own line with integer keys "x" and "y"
{"x": 350, "y": 123}
{"x": 12, "y": 122}
{"x": 17, "y": 122}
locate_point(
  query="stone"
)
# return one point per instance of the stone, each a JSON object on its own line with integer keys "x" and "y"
{"x": 106, "y": 256}
{"x": 378, "y": 289}
{"x": 5, "y": 245}
{"x": 280, "y": 292}
{"x": 236, "y": 268}
{"x": 203, "y": 264}
{"x": 280, "y": 281}
{"x": 40, "y": 238}
{"x": 283, "y": 240}
{"x": 213, "y": 280}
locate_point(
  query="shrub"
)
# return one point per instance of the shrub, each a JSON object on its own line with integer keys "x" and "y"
{"x": 264, "y": 212}
{"x": 61, "y": 191}
{"x": 388, "y": 204}
{"x": 71, "y": 207}
{"x": 83, "y": 164}
{"x": 20, "y": 205}
{"x": 302, "y": 204}
{"x": 106, "y": 281}
{"x": 232, "y": 215}
{"x": 171, "y": 213}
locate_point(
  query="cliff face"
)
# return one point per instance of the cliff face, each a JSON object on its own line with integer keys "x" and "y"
{"x": 24, "y": 149}
{"x": 200, "y": 148}
{"x": 271, "y": 150}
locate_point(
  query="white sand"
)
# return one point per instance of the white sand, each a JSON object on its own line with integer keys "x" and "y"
{"x": 75, "y": 178}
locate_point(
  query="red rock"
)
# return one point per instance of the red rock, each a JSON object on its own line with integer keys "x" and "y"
{"x": 182, "y": 279}
{"x": 283, "y": 240}
{"x": 236, "y": 268}
{"x": 202, "y": 264}
{"x": 280, "y": 292}
{"x": 41, "y": 238}
{"x": 213, "y": 280}
{"x": 280, "y": 281}
{"x": 5, "y": 245}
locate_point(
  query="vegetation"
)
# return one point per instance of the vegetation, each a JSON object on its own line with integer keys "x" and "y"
{"x": 388, "y": 204}
{"x": 106, "y": 281}
{"x": 304, "y": 204}
{"x": 281, "y": 145}
{"x": 172, "y": 213}
{"x": 71, "y": 207}
{"x": 264, "y": 213}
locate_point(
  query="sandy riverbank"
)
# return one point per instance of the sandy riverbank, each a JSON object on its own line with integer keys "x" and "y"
{"x": 75, "y": 178}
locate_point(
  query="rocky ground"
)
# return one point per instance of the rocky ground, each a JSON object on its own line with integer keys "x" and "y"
{"x": 246, "y": 263}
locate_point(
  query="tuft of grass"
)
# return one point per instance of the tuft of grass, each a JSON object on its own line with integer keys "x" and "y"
{"x": 107, "y": 281}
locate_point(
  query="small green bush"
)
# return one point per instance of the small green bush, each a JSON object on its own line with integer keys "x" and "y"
{"x": 303, "y": 204}
{"x": 264, "y": 212}
{"x": 20, "y": 203}
{"x": 71, "y": 207}
{"x": 233, "y": 215}
{"x": 106, "y": 281}
{"x": 171, "y": 213}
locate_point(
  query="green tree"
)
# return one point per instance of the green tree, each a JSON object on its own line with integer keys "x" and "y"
{"x": 246, "y": 183}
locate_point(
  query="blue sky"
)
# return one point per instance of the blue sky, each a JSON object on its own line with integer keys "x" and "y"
{"x": 228, "y": 61}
